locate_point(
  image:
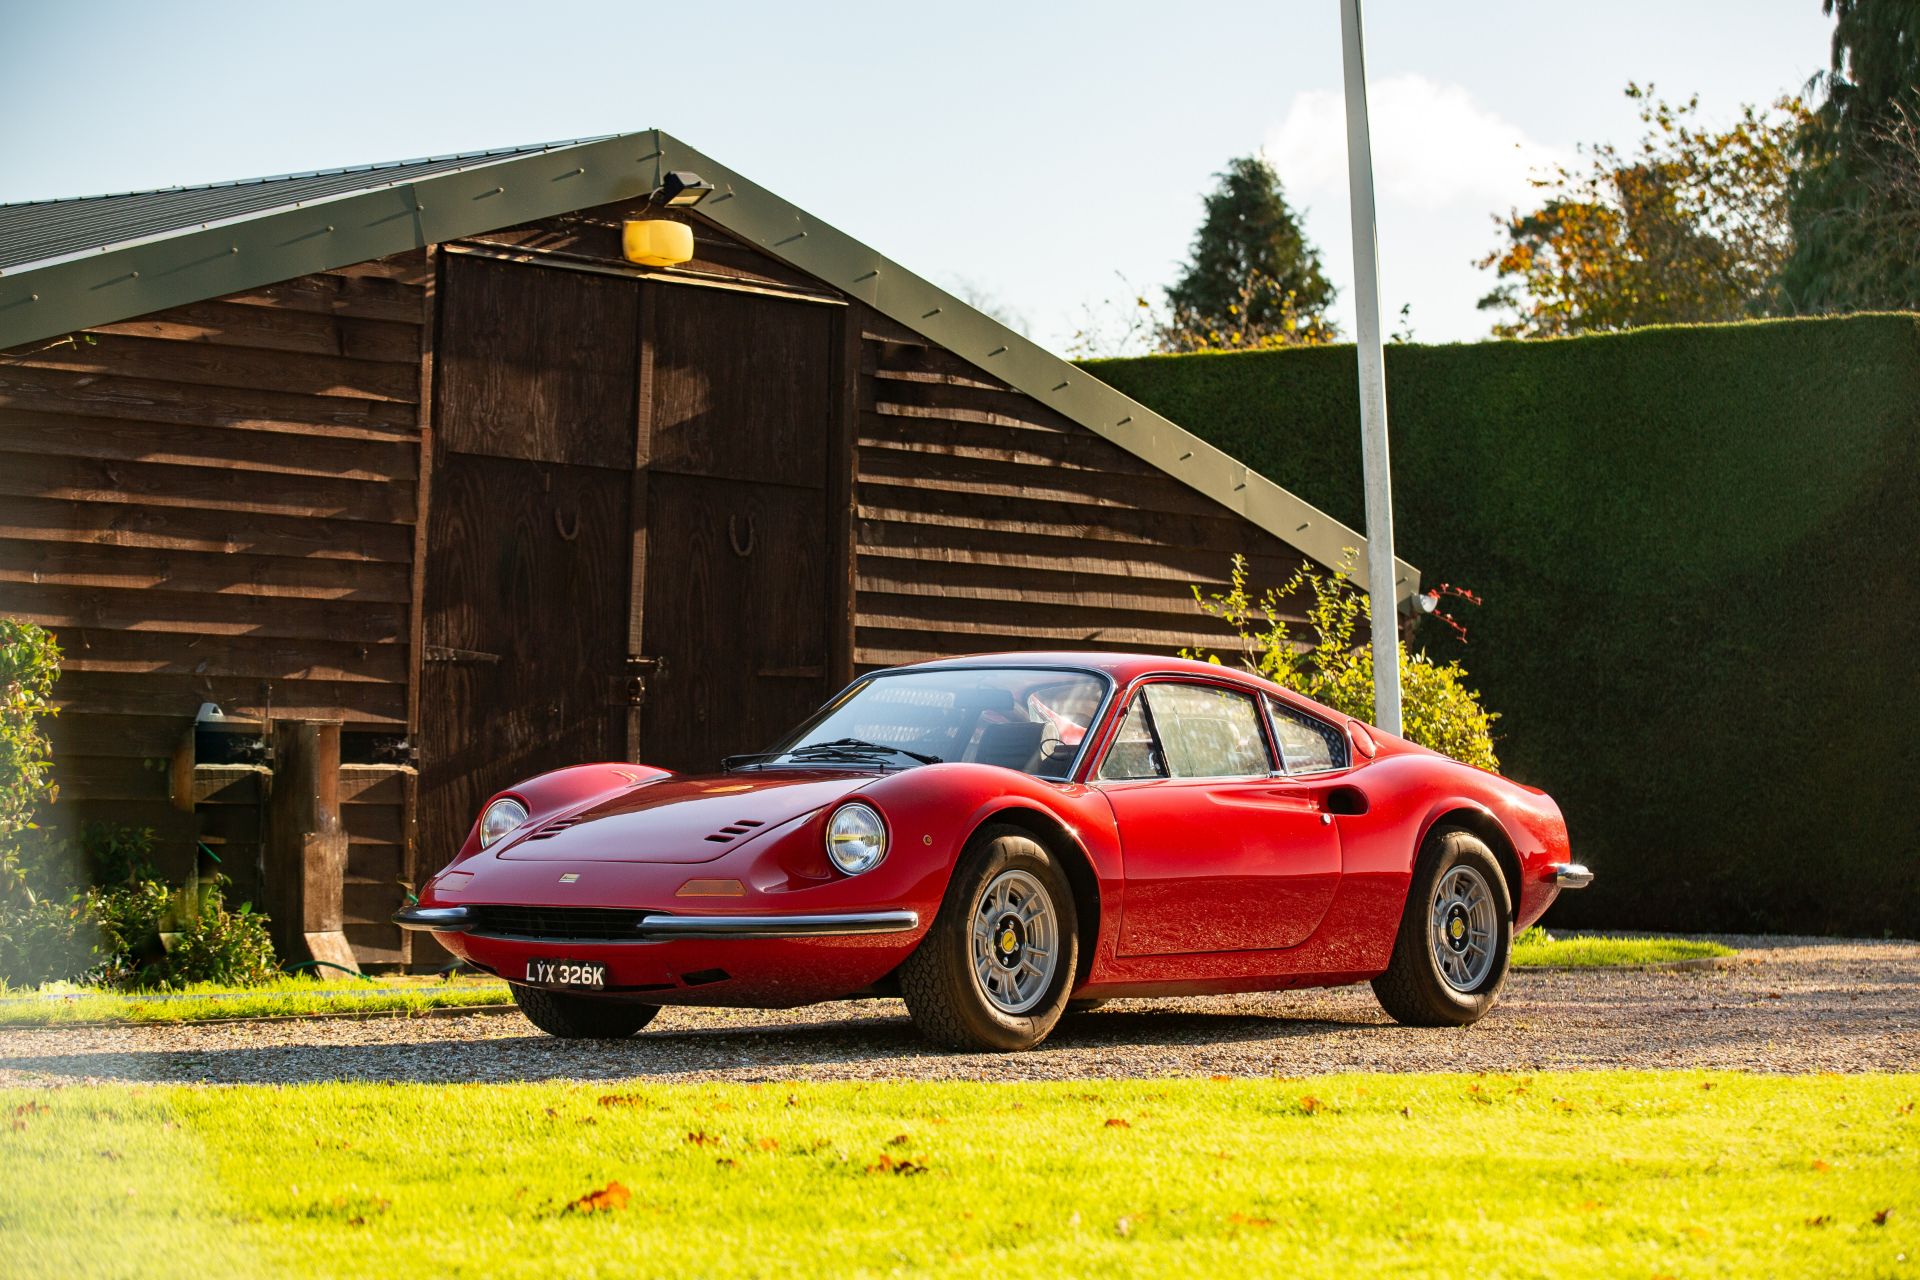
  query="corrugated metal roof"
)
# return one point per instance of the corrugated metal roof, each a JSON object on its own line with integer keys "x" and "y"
{"x": 38, "y": 230}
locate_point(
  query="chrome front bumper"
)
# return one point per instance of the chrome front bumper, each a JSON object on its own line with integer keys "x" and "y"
{"x": 658, "y": 927}
{"x": 1571, "y": 875}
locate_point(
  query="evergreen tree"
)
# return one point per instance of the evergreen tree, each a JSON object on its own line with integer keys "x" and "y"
{"x": 1252, "y": 279}
{"x": 1856, "y": 200}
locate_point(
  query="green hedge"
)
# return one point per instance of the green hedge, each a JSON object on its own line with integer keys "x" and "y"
{"x": 1700, "y": 553}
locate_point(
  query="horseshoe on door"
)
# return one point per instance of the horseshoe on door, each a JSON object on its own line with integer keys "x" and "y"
{"x": 566, "y": 524}
{"x": 741, "y": 549}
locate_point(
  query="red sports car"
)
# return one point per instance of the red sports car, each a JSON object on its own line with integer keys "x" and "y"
{"x": 1003, "y": 839}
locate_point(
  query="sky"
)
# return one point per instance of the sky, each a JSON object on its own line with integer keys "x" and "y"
{"x": 1047, "y": 159}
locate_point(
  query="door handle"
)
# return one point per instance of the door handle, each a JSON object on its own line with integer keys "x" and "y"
{"x": 1344, "y": 800}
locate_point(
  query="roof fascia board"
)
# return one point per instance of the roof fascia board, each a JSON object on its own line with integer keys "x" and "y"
{"x": 46, "y": 300}
{"x": 789, "y": 233}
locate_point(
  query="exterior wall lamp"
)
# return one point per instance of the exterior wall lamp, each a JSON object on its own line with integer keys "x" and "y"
{"x": 662, "y": 242}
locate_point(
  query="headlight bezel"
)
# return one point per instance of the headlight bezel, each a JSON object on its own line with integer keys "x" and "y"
{"x": 841, "y": 836}
{"x": 490, "y": 834}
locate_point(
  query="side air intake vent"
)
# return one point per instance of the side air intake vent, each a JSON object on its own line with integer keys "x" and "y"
{"x": 734, "y": 830}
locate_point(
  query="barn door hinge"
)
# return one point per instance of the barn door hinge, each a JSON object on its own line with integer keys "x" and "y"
{"x": 441, "y": 653}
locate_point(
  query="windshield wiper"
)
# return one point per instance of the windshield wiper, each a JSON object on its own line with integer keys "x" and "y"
{"x": 853, "y": 749}
{"x": 860, "y": 746}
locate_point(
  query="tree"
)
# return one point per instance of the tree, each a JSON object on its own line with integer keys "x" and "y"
{"x": 1689, "y": 227}
{"x": 1252, "y": 278}
{"x": 1856, "y": 199}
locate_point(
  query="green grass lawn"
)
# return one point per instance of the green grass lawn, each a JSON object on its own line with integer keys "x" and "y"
{"x": 1569, "y": 1174}
{"x": 1535, "y": 948}
{"x": 65, "y": 1002}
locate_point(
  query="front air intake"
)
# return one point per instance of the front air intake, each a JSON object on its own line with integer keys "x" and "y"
{"x": 577, "y": 924}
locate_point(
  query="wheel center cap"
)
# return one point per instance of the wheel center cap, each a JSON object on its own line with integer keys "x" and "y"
{"x": 1008, "y": 940}
{"x": 1457, "y": 928}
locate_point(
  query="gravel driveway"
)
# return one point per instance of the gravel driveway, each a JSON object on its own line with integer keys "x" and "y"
{"x": 1785, "y": 1004}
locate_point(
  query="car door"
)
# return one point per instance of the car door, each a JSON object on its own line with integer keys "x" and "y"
{"x": 1222, "y": 851}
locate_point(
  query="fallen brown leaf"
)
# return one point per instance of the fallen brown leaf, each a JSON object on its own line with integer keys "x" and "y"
{"x": 1880, "y": 1218}
{"x": 1821, "y": 1166}
{"x": 606, "y": 1199}
{"x": 1820, "y": 1221}
{"x": 1116, "y": 1122}
{"x": 769, "y": 1144}
{"x": 1242, "y": 1220}
{"x": 701, "y": 1138}
{"x": 904, "y": 1167}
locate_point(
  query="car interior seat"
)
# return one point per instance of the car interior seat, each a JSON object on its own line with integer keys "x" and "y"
{"x": 1015, "y": 745}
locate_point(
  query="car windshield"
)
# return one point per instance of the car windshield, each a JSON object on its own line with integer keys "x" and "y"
{"x": 1029, "y": 719}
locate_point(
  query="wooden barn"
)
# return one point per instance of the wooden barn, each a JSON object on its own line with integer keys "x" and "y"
{"x": 419, "y": 479}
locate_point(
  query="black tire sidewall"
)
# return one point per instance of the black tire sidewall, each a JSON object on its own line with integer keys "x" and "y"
{"x": 1454, "y": 849}
{"x": 577, "y": 1017}
{"x": 993, "y": 851}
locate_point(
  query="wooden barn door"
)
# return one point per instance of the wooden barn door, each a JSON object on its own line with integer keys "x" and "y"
{"x": 739, "y": 398}
{"x": 529, "y": 533}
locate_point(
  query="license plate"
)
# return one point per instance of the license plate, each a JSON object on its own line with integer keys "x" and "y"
{"x": 566, "y": 973}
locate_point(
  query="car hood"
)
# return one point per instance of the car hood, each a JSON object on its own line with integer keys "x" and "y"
{"x": 683, "y": 819}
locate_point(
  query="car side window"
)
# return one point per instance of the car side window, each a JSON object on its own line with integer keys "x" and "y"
{"x": 1207, "y": 731}
{"x": 1133, "y": 753}
{"x": 1307, "y": 744}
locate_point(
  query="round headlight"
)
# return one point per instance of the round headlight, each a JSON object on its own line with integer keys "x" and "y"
{"x": 501, "y": 817}
{"x": 856, "y": 838}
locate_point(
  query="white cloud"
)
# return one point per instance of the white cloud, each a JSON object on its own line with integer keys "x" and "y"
{"x": 1433, "y": 147}
{"x": 1443, "y": 166}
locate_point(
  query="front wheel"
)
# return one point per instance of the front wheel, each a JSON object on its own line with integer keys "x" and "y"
{"x": 995, "y": 969}
{"x": 572, "y": 1017}
{"x": 1450, "y": 955}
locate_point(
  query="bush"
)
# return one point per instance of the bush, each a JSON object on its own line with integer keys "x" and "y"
{"x": 29, "y": 665}
{"x": 157, "y": 936}
{"x": 1438, "y": 711}
{"x": 43, "y": 939}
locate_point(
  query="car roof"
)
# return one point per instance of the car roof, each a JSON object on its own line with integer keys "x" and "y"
{"x": 1121, "y": 666}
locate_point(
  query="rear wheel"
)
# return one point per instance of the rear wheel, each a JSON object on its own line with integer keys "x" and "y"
{"x": 995, "y": 969}
{"x": 571, "y": 1017}
{"x": 1450, "y": 955}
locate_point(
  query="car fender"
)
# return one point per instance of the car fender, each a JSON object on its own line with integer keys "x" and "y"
{"x": 559, "y": 791}
{"x": 937, "y": 809}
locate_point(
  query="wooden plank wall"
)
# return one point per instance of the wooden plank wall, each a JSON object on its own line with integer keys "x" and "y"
{"x": 985, "y": 520}
{"x": 216, "y": 503}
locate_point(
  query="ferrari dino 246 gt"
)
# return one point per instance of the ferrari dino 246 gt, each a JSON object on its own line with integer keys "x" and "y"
{"x": 1002, "y": 839}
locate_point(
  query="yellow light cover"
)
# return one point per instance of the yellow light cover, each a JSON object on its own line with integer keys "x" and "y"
{"x": 712, "y": 889}
{"x": 657, "y": 242}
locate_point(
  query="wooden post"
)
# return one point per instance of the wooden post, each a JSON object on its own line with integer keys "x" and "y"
{"x": 307, "y": 844}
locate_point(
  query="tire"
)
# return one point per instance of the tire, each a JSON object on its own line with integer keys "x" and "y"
{"x": 1458, "y": 895}
{"x": 572, "y": 1017}
{"x": 1004, "y": 870}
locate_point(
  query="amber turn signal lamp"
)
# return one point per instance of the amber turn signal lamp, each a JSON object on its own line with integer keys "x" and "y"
{"x": 712, "y": 889}
{"x": 657, "y": 242}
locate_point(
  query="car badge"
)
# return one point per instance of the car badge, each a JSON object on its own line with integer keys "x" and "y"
{"x": 569, "y": 877}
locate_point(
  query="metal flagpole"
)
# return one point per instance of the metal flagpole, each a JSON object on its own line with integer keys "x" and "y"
{"x": 1381, "y": 568}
